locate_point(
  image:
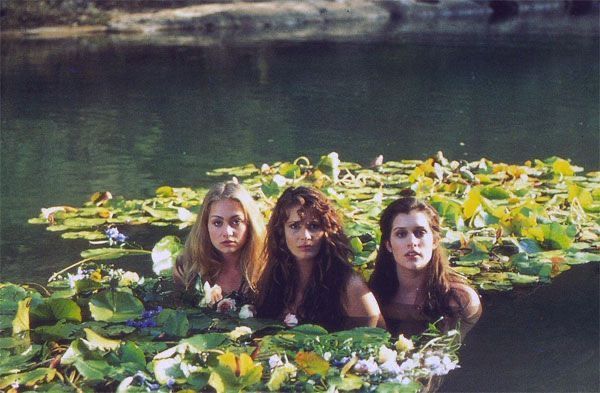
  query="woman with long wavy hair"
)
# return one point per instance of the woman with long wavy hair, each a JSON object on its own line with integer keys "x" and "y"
{"x": 225, "y": 243}
{"x": 308, "y": 272}
{"x": 412, "y": 280}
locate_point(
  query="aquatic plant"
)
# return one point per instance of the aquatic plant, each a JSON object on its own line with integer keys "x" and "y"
{"x": 504, "y": 224}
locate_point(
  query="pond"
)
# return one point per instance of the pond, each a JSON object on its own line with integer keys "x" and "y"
{"x": 92, "y": 114}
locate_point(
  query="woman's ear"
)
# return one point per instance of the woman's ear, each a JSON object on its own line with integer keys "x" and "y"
{"x": 388, "y": 246}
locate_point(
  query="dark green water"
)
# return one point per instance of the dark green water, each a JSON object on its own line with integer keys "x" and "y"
{"x": 89, "y": 115}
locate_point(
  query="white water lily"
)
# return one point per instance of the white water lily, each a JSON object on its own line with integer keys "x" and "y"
{"x": 239, "y": 332}
{"x": 247, "y": 311}
{"x": 440, "y": 365}
{"x": 327, "y": 356}
{"x": 129, "y": 278}
{"x": 290, "y": 320}
{"x": 404, "y": 344}
{"x": 390, "y": 367}
{"x": 386, "y": 354}
{"x": 275, "y": 361}
{"x": 211, "y": 295}
{"x": 366, "y": 366}
{"x": 409, "y": 364}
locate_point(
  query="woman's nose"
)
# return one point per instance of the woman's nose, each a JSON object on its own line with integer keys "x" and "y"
{"x": 306, "y": 234}
{"x": 229, "y": 230}
{"x": 412, "y": 240}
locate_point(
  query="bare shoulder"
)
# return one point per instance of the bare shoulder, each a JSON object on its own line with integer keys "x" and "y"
{"x": 359, "y": 300}
{"x": 356, "y": 286}
{"x": 466, "y": 299}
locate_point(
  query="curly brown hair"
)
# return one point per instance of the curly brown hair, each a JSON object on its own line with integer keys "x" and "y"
{"x": 384, "y": 280}
{"x": 279, "y": 285}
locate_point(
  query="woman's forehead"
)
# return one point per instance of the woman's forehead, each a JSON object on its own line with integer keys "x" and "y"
{"x": 411, "y": 219}
{"x": 300, "y": 213}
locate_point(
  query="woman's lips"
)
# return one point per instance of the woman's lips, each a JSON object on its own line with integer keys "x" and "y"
{"x": 305, "y": 247}
{"x": 412, "y": 254}
{"x": 228, "y": 243}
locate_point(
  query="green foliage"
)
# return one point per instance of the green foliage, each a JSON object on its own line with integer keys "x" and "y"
{"x": 537, "y": 206}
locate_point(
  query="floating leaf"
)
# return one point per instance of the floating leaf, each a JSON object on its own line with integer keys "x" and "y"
{"x": 311, "y": 363}
{"x": 21, "y": 321}
{"x": 164, "y": 192}
{"x": 173, "y": 323}
{"x": 29, "y": 378}
{"x": 115, "y": 306}
{"x": 96, "y": 341}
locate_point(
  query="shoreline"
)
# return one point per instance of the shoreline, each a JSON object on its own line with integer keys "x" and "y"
{"x": 313, "y": 19}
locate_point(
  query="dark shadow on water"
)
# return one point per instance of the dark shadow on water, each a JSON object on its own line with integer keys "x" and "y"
{"x": 546, "y": 339}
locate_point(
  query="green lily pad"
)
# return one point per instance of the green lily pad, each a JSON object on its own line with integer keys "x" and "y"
{"x": 115, "y": 306}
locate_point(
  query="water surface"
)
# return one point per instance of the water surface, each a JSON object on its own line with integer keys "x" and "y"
{"x": 79, "y": 116}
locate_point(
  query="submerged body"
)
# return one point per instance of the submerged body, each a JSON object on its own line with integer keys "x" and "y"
{"x": 307, "y": 271}
{"x": 412, "y": 279}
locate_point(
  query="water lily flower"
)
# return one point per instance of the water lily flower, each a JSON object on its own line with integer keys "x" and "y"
{"x": 247, "y": 311}
{"x": 366, "y": 366}
{"x": 409, "y": 364}
{"x": 239, "y": 332}
{"x": 386, "y": 354}
{"x": 128, "y": 278}
{"x": 226, "y": 305}
{"x": 275, "y": 361}
{"x": 404, "y": 344}
{"x": 327, "y": 356}
{"x": 390, "y": 367}
{"x": 290, "y": 320}
{"x": 211, "y": 295}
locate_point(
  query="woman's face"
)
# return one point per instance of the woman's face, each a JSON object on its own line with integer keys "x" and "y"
{"x": 303, "y": 236}
{"x": 411, "y": 240}
{"x": 227, "y": 226}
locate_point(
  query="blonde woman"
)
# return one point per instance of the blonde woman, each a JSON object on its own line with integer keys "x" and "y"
{"x": 225, "y": 242}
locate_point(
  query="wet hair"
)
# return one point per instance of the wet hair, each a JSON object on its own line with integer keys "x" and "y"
{"x": 278, "y": 287}
{"x": 200, "y": 256}
{"x": 384, "y": 280}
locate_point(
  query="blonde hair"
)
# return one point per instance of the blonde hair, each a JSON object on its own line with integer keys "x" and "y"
{"x": 200, "y": 256}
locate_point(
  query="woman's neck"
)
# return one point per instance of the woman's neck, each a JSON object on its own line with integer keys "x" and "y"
{"x": 305, "y": 269}
{"x": 411, "y": 282}
{"x": 231, "y": 262}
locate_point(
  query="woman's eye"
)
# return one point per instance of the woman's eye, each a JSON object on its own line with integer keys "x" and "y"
{"x": 420, "y": 233}
{"x": 217, "y": 223}
{"x": 314, "y": 227}
{"x": 237, "y": 222}
{"x": 294, "y": 225}
{"x": 401, "y": 234}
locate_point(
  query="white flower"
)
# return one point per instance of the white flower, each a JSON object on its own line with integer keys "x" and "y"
{"x": 211, "y": 295}
{"x": 327, "y": 356}
{"x": 390, "y": 367}
{"x": 129, "y": 278}
{"x": 404, "y": 344}
{"x": 239, "y": 332}
{"x": 290, "y": 320}
{"x": 409, "y": 364}
{"x": 279, "y": 180}
{"x": 386, "y": 354}
{"x": 226, "y": 305}
{"x": 247, "y": 311}
{"x": 73, "y": 278}
{"x": 366, "y": 366}
{"x": 275, "y": 361}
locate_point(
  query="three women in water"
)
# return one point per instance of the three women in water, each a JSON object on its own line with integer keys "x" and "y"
{"x": 304, "y": 268}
